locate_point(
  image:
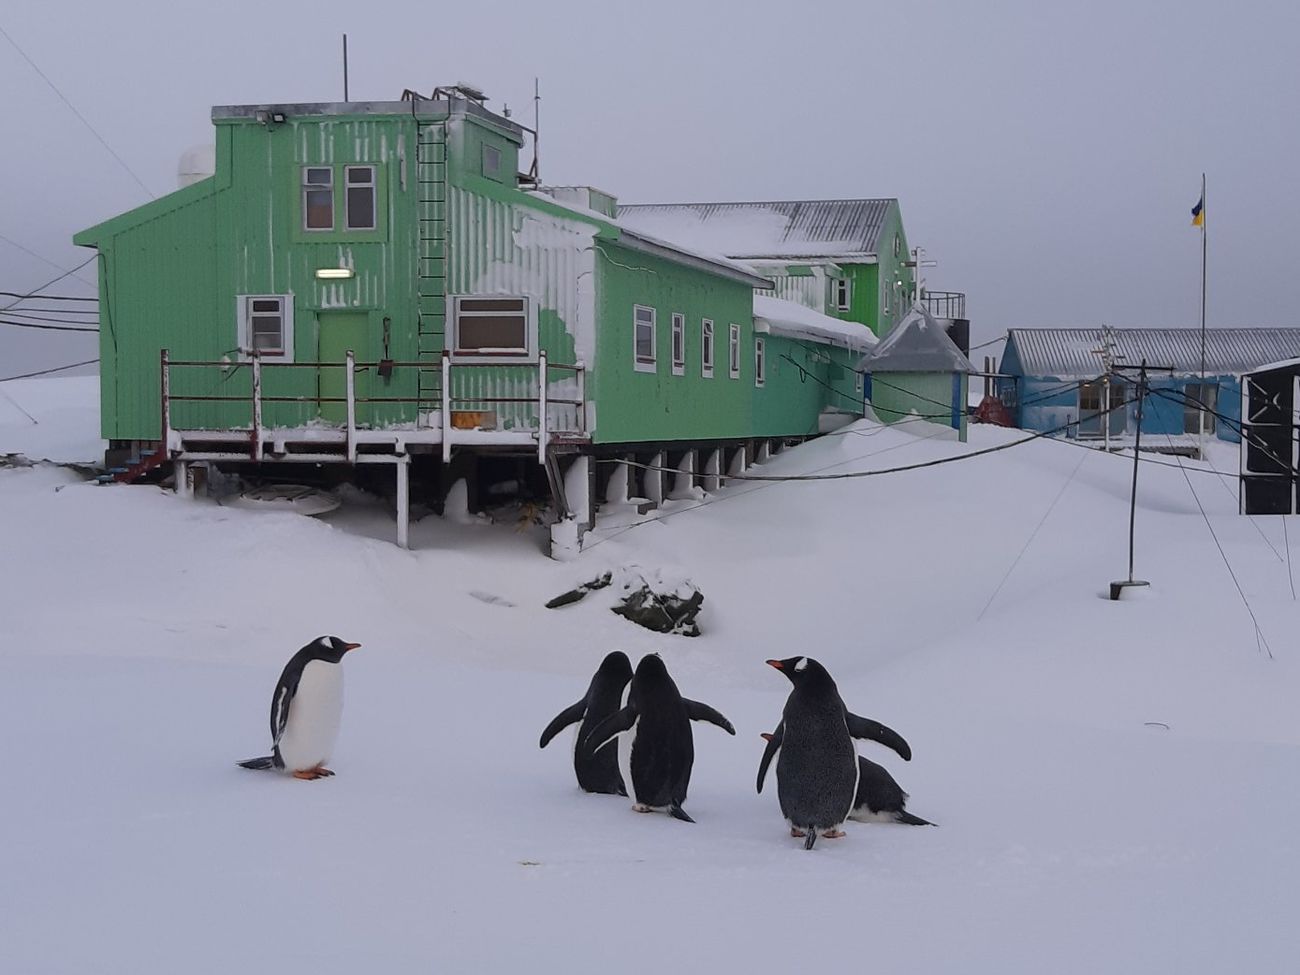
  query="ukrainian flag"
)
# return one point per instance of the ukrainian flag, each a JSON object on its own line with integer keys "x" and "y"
{"x": 1198, "y": 213}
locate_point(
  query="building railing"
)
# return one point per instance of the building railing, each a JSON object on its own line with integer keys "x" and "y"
{"x": 945, "y": 304}
{"x": 474, "y": 402}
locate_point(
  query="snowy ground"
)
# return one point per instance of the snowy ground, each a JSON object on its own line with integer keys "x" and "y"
{"x": 1115, "y": 782}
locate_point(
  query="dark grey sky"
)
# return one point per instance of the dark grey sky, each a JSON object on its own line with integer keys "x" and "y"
{"x": 1046, "y": 154}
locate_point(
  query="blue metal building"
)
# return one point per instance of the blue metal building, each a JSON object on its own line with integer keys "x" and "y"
{"x": 1056, "y": 378}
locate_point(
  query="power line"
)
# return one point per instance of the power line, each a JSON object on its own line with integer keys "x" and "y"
{"x": 1000, "y": 338}
{"x": 20, "y": 297}
{"x": 46, "y": 372}
{"x": 31, "y": 253}
{"x": 73, "y": 108}
{"x": 37, "y": 291}
{"x": 49, "y": 327}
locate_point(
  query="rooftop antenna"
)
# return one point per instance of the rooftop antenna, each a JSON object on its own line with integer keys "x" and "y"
{"x": 345, "y": 67}
{"x": 537, "y": 116}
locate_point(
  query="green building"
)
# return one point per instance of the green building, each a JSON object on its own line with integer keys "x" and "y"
{"x": 378, "y": 283}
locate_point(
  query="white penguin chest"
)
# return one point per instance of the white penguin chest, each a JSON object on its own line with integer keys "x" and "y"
{"x": 314, "y": 716}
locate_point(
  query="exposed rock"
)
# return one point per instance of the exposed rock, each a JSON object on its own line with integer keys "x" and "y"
{"x": 647, "y": 598}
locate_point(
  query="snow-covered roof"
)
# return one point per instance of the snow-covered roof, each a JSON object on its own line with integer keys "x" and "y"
{"x": 668, "y": 249}
{"x": 918, "y": 343}
{"x": 1072, "y": 353}
{"x": 797, "y": 321}
{"x": 844, "y": 229}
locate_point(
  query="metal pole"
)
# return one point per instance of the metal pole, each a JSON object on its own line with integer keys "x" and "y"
{"x": 345, "y": 67}
{"x": 1204, "y": 235}
{"x": 1137, "y": 446}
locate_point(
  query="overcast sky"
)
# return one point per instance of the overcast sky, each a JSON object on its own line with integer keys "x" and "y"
{"x": 1046, "y": 154}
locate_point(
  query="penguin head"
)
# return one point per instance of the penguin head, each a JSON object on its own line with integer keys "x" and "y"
{"x": 651, "y": 667}
{"x": 616, "y": 667}
{"x": 329, "y": 648}
{"x": 803, "y": 671}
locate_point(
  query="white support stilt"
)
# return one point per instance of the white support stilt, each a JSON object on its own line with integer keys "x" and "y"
{"x": 403, "y": 467}
{"x": 654, "y": 480}
{"x": 446, "y": 407}
{"x": 684, "y": 479}
{"x": 712, "y": 471}
{"x": 577, "y": 490}
{"x": 764, "y": 452}
{"x": 350, "y": 380}
{"x": 181, "y": 475}
{"x": 617, "y": 490}
{"x": 738, "y": 461}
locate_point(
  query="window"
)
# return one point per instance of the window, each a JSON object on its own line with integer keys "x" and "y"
{"x": 493, "y": 327}
{"x": 266, "y": 326}
{"x": 1196, "y": 395}
{"x": 706, "y": 348}
{"x": 679, "y": 344}
{"x": 643, "y": 339}
{"x": 734, "y": 356}
{"x": 843, "y": 293}
{"x": 760, "y": 362}
{"x": 898, "y": 246}
{"x": 492, "y": 162}
{"x": 359, "y": 203}
{"x": 317, "y": 198}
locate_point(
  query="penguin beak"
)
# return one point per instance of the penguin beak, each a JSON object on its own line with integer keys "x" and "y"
{"x": 350, "y": 646}
{"x": 777, "y": 664}
{"x": 765, "y": 736}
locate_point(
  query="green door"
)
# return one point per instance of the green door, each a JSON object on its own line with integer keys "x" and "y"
{"x": 339, "y": 332}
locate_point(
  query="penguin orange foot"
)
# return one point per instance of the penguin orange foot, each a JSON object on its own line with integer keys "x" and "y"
{"x": 311, "y": 774}
{"x": 797, "y": 832}
{"x": 834, "y": 834}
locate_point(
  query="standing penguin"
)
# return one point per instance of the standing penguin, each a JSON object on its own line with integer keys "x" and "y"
{"x": 655, "y": 747}
{"x": 817, "y": 772}
{"x": 604, "y": 696}
{"x": 306, "y": 709}
{"x": 879, "y": 798}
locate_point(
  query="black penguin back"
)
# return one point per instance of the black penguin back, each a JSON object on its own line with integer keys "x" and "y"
{"x": 663, "y": 750}
{"x": 817, "y": 767}
{"x": 600, "y": 772}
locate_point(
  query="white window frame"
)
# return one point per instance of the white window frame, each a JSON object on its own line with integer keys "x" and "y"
{"x": 678, "y": 350}
{"x": 244, "y": 319}
{"x": 733, "y": 351}
{"x": 760, "y": 361}
{"x": 651, "y": 364}
{"x": 843, "y": 294}
{"x": 525, "y": 353}
{"x": 706, "y": 348}
{"x": 310, "y": 187}
{"x": 372, "y": 185}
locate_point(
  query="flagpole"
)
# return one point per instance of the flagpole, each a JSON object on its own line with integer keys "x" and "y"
{"x": 1204, "y": 397}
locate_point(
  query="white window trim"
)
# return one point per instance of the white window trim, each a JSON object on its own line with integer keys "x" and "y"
{"x": 845, "y": 303}
{"x": 733, "y": 351}
{"x": 372, "y": 185}
{"x": 678, "y": 337}
{"x": 305, "y": 187}
{"x": 760, "y": 362}
{"x": 708, "y": 345}
{"x": 652, "y": 364}
{"x": 528, "y": 354}
{"x": 243, "y": 318}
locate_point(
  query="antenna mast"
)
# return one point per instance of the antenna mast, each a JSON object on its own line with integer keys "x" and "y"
{"x": 537, "y": 115}
{"x": 345, "y": 67}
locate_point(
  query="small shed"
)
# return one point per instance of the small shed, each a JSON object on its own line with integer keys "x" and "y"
{"x": 918, "y": 373}
{"x": 1270, "y": 450}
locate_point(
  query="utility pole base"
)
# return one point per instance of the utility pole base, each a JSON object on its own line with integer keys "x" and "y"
{"x": 1117, "y": 588}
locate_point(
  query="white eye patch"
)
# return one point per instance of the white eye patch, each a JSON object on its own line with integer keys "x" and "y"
{"x": 802, "y": 664}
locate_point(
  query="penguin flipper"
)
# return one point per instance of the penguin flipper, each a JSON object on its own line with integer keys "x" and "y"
{"x": 702, "y": 712}
{"x": 568, "y": 716}
{"x": 265, "y": 762}
{"x": 773, "y": 746}
{"x": 618, "y": 722}
{"x": 860, "y": 727}
{"x": 907, "y": 819}
{"x": 677, "y": 812}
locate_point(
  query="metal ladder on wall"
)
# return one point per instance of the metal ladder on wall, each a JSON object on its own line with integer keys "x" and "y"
{"x": 431, "y": 268}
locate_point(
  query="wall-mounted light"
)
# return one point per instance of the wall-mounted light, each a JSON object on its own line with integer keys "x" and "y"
{"x": 334, "y": 273}
{"x": 277, "y": 117}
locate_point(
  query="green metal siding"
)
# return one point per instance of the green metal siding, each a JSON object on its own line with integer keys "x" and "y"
{"x": 899, "y": 396}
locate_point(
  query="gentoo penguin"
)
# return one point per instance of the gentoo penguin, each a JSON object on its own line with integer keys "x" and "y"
{"x": 655, "y": 747}
{"x": 305, "y": 710}
{"x": 879, "y": 798}
{"x": 604, "y": 696}
{"x": 817, "y": 772}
